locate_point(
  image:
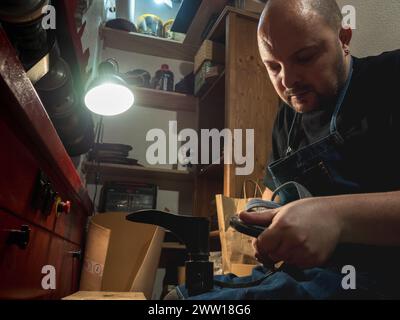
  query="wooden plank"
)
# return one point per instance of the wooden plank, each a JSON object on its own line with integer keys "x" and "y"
{"x": 144, "y": 44}
{"x": 251, "y": 100}
{"x": 100, "y": 295}
{"x": 206, "y": 189}
{"x": 164, "y": 100}
{"x": 230, "y": 81}
{"x": 173, "y": 245}
{"x": 164, "y": 178}
{"x": 204, "y": 14}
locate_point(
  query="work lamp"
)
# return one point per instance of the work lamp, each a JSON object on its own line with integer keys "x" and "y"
{"x": 108, "y": 94}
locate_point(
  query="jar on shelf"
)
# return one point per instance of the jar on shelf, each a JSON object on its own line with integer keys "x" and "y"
{"x": 164, "y": 79}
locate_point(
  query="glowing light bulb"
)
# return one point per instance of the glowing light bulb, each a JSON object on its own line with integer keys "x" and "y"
{"x": 109, "y": 99}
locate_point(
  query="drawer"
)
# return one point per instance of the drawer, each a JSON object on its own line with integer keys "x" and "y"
{"x": 20, "y": 185}
{"x": 66, "y": 258}
{"x": 19, "y": 173}
{"x": 21, "y": 268}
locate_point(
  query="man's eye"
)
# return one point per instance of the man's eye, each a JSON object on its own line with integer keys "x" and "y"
{"x": 275, "y": 68}
{"x": 305, "y": 59}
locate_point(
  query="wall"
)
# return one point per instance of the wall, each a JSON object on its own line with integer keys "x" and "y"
{"x": 378, "y": 26}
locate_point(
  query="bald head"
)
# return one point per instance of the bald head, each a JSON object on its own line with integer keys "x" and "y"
{"x": 326, "y": 9}
{"x": 305, "y": 50}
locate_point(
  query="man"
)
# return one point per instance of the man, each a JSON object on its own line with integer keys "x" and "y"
{"x": 336, "y": 134}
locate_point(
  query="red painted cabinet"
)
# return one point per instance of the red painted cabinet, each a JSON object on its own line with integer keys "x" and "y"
{"x": 36, "y": 174}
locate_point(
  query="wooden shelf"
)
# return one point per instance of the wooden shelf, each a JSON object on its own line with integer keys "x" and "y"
{"x": 173, "y": 245}
{"x": 149, "y": 45}
{"x": 218, "y": 30}
{"x": 163, "y": 178}
{"x": 164, "y": 100}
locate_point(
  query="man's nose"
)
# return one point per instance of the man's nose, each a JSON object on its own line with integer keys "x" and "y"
{"x": 289, "y": 78}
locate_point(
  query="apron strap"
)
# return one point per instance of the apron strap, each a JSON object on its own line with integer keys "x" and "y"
{"x": 342, "y": 95}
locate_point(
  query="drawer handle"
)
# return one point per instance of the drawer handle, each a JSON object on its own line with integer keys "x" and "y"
{"x": 76, "y": 254}
{"x": 19, "y": 237}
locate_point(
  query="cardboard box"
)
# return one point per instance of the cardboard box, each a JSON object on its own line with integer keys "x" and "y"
{"x": 121, "y": 256}
{"x": 242, "y": 270}
{"x": 209, "y": 51}
{"x": 96, "y": 295}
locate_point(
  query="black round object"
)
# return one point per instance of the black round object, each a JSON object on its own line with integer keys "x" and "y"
{"x": 138, "y": 78}
{"x": 56, "y": 85}
{"x": 85, "y": 142}
{"x": 20, "y": 11}
{"x": 73, "y": 123}
{"x": 121, "y": 24}
{"x": 30, "y": 40}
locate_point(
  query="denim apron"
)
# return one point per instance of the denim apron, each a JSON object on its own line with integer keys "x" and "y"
{"x": 321, "y": 168}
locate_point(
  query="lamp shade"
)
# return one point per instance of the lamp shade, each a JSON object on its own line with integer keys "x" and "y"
{"x": 108, "y": 95}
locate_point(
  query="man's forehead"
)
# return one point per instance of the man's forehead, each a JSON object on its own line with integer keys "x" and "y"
{"x": 289, "y": 38}
{"x": 293, "y": 44}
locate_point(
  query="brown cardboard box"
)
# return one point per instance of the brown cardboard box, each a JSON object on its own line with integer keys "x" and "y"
{"x": 209, "y": 51}
{"x": 121, "y": 256}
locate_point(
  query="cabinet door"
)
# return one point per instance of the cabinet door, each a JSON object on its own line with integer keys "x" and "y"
{"x": 21, "y": 268}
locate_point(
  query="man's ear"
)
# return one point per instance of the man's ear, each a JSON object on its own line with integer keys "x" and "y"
{"x": 345, "y": 37}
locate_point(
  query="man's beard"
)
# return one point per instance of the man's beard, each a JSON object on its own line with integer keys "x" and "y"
{"x": 331, "y": 98}
{"x": 328, "y": 100}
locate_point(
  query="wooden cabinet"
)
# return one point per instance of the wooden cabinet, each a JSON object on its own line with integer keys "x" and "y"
{"x": 241, "y": 98}
{"x": 33, "y": 233}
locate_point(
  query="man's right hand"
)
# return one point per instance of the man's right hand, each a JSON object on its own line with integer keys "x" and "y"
{"x": 303, "y": 233}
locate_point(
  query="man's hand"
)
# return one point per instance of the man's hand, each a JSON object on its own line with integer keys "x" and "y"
{"x": 303, "y": 233}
